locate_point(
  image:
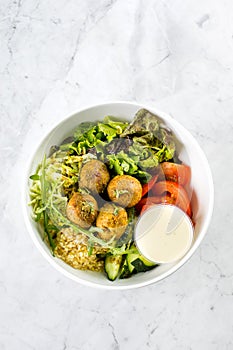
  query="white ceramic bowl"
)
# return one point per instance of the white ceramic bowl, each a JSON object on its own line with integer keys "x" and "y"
{"x": 189, "y": 152}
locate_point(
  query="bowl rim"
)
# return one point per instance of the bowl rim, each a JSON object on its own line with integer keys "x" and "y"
{"x": 52, "y": 260}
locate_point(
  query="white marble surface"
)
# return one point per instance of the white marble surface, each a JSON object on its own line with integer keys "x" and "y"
{"x": 57, "y": 56}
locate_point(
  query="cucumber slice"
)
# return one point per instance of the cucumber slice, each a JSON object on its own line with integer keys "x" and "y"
{"x": 140, "y": 265}
{"x": 146, "y": 262}
{"x": 112, "y": 266}
{"x": 130, "y": 258}
{"x": 125, "y": 273}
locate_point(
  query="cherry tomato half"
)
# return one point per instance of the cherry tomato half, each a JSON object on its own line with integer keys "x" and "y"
{"x": 147, "y": 203}
{"x": 176, "y": 192}
{"x": 148, "y": 186}
{"x": 179, "y": 173}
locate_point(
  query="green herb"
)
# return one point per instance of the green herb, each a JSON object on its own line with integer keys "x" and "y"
{"x": 118, "y": 193}
{"x": 116, "y": 210}
{"x": 35, "y": 177}
{"x": 90, "y": 248}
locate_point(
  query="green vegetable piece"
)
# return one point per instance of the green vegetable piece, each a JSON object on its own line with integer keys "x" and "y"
{"x": 89, "y": 135}
{"x": 90, "y": 248}
{"x": 35, "y": 177}
{"x": 142, "y": 265}
{"x": 143, "y": 122}
{"x": 150, "y": 162}
{"x": 112, "y": 266}
{"x": 108, "y": 131}
{"x": 146, "y": 262}
{"x": 115, "y": 164}
{"x": 38, "y": 217}
{"x": 116, "y": 124}
{"x": 125, "y": 272}
{"x": 130, "y": 258}
{"x": 83, "y": 128}
{"x": 153, "y": 142}
{"x": 122, "y": 163}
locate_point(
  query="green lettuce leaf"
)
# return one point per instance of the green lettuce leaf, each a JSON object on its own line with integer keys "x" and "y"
{"x": 154, "y": 142}
{"x": 122, "y": 163}
{"x": 119, "y": 126}
{"x": 143, "y": 123}
{"x": 90, "y": 135}
{"x": 109, "y": 132}
{"x": 82, "y": 128}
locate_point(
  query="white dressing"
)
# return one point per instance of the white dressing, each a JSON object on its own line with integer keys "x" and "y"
{"x": 164, "y": 233}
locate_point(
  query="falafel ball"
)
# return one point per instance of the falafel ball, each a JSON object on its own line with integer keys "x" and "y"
{"x": 82, "y": 209}
{"x": 113, "y": 220}
{"x": 94, "y": 176}
{"x": 125, "y": 190}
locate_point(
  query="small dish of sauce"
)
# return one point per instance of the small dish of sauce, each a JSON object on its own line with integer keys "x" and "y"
{"x": 164, "y": 233}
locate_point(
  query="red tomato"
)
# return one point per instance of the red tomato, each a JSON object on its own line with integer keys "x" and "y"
{"x": 147, "y": 201}
{"x": 154, "y": 200}
{"x": 176, "y": 192}
{"x": 151, "y": 201}
{"x": 179, "y": 173}
{"x": 148, "y": 186}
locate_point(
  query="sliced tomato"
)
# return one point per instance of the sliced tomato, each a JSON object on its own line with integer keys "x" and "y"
{"x": 179, "y": 173}
{"x": 147, "y": 201}
{"x": 151, "y": 201}
{"x": 148, "y": 186}
{"x": 167, "y": 200}
{"x": 177, "y": 193}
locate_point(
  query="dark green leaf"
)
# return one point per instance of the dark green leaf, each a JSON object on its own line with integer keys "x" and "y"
{"x": 35, "y": 177}
{"x": 140, "y": 266}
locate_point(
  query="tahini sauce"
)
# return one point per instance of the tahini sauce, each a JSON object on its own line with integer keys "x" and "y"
{"x": 164, "y": 233}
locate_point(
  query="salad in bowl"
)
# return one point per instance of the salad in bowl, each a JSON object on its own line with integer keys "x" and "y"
{"x": 98, "y": 178}
{"x": 89, "y": 191}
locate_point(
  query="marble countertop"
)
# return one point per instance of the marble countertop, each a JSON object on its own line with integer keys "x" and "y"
{"x": 58, "y": 56}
